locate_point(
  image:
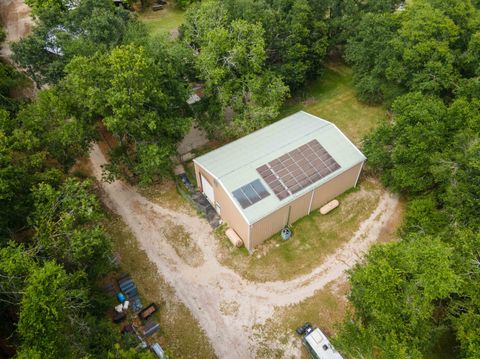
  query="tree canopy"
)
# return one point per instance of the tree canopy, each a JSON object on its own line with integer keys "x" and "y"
{"x": 424, "y": 68}
{"x": 66, "y": 29}
{"x": 104, "y": 77}
{"x": 141, "y": 95}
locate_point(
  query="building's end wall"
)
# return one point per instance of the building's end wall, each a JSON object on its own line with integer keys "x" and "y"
{"x": 228, "y": 211}
{"x": 300, "y": 207}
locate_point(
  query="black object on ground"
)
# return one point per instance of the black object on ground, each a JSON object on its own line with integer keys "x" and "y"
{"x": 206, "y": 208}
{"x": 132, "y": 292}
{"x": 150, "y": 327}
{"x": 119, "y": 317}
{"x": 201, "y": 202}
{"x": 184, "y": 178}
{"x": 301, "y": 330}
{"x": 157, "y": 7}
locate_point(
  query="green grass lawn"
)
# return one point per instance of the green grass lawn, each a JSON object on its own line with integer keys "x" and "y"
{"x": 162, "y": 21}
{"x": 314, "y": 237}
{"x": 326, "y": 308}
{"x": 332, "y": 98}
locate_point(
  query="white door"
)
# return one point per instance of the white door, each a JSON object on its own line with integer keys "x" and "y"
{"x": 207, "y": 190}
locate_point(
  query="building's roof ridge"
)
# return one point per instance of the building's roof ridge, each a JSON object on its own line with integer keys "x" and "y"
{"x": 255, "y": 133}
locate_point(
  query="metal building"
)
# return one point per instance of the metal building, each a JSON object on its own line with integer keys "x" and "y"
{"x": 270, "y": 178}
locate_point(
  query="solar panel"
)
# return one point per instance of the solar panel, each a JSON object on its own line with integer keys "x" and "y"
{"x": 297, "y": 169}
{"x": 250, "y": 193}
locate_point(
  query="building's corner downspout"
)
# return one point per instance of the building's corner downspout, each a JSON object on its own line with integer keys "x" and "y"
{"x": 311, "y": 201}
{"x": 358, "y": 176}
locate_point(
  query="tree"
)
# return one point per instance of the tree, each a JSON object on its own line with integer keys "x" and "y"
{"x": 16, "y": 264}
{"x": 430, "y": 151}
{"x": 38, "y": 144}
{"x": 295, "y": 37}
{"x": 200, "y": 19}
{"x": 397, "y": 293}
{"x": 63, "y": 131}
{"x": 369, "y": 52}
{"x": 60, "y": 35}
{"x": 132, "y": 353}
{"x": 458, "y": 169}
{"x": 42, "y": 5}
{"x": 424, "y": 60}
{"x": 10, "y": 79}
{"x": 141, "y": 95}
{"x": 50, "y": 311}
{"x": 423, "y": 216}
{"x": 66, "y": 230}
{"x": 464, "y": 308}
{"x": 232, "y": 65}
{"x": 183, "y": 4}
{"x": 344, "y": 16}
{"x": 23, "y": 164}
{"x": 405, "y": 151}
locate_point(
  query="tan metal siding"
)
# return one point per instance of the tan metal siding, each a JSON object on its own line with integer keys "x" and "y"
{"x": 274, "y": 222}
{"x": 268, "y": 226}
{"x": 299, "y": 207}
{"x": 229, "y": 212}
{"x": 335, "y": 187}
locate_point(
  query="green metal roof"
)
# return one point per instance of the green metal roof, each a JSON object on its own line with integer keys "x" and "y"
{"x": 235, "y": 164}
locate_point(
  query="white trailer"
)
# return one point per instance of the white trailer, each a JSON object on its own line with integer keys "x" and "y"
{"x": 319, "y": 346}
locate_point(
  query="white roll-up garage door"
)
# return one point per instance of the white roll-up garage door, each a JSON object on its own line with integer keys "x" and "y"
{"x": 207, "y": 190}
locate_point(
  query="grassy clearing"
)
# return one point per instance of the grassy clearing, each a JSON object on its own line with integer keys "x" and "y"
{"x": 314, "y": 237}
{"x": 163, "y": 21}
{"x": 325, "y": 309}
{"x": 332, "y": 97}
{"x": 180, "y": 332}
{"x": 184, "y": 246}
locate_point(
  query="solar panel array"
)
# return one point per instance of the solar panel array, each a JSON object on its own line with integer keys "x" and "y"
{"x": 250, "y": 193}
{"x": 297, "y": 169}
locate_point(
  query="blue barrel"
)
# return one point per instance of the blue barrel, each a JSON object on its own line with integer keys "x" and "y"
{"x": 121, "y": 297}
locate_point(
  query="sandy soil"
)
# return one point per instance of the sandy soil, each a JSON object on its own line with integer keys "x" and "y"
{"x": 195, "y": 138}
{"x": 226, "y": 305}
{"x": 16, "y": 20}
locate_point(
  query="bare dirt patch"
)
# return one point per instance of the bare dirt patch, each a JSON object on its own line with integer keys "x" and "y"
{"x": 229, "y": 308}
{"x": 183, "y": 244}
{"x": 82, "y": 168}
{"x": 15, "y": 18}
{"x": 390, "y": 230}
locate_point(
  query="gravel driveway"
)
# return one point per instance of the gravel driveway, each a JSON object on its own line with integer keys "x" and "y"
{"x": 226, "y": 305}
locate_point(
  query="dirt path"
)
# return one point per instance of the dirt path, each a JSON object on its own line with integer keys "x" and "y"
{"x": 16, "y": 20}
{"x": 226, "y": 305}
